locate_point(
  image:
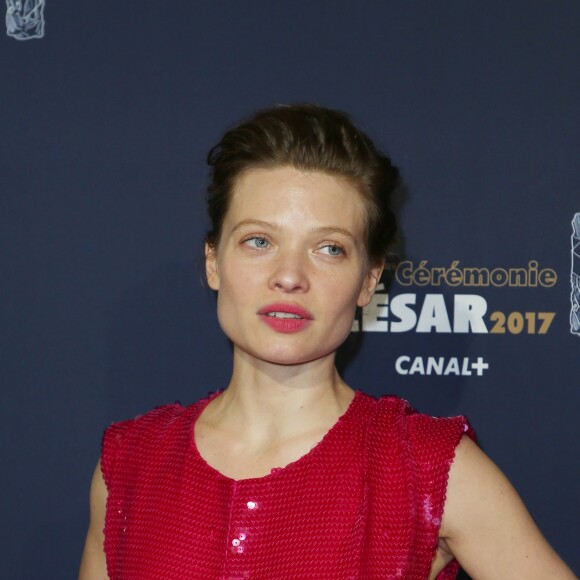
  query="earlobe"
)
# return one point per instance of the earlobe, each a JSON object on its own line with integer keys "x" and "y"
{"x": 211, "y": 268}
{"x": 370, "y": 284}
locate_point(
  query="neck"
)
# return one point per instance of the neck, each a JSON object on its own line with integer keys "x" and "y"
{"x": 270, "y": 400}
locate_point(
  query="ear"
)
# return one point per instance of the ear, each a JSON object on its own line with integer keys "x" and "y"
{"x": 370, "y": 283}
{"x": 211, "y": 268}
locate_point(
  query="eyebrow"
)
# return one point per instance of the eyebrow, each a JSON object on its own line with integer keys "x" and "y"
{"x": 272, "y": 226}
{"x": 252, "y": 222}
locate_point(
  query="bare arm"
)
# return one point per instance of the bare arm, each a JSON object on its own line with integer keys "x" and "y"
{"x": 93, "y": 566}
{"x": 487, "y": 527}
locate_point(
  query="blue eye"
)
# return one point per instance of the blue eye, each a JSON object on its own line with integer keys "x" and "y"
{"x": 333, "y": 250}
{"x": 257, "y": 242}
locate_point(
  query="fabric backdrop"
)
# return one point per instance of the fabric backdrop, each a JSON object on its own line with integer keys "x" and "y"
{"x": 105, "y": 120}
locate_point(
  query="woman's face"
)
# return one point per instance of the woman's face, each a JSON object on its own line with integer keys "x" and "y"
{"x": 291, "y": 265}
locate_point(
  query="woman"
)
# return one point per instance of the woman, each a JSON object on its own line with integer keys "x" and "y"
{"x": 289, "y": 473}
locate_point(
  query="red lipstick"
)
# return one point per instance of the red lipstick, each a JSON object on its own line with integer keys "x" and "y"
{"x": 286, "y": 318}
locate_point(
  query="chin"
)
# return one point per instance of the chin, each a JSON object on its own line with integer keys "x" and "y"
{"x": 291, "y": 357}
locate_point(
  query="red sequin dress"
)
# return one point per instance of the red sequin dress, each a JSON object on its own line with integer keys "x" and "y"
{"x": 366, "y": 502}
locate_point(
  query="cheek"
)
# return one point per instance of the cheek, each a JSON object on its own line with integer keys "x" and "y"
{"x": 234, "y": 293}
{"x": 342, "y": 321}
{"x": 343, "y": 300}
{"x": 226, "y": 311}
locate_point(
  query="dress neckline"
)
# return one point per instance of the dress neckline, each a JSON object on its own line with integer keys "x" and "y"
{"x": 276, "y": 471}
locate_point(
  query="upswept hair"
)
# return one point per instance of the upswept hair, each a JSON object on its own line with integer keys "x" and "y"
{"x": 308, "y": 138}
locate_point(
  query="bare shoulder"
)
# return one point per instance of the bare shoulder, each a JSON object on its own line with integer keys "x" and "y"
{"x": 93, "y": 565}
{"x": 488, "y": 528}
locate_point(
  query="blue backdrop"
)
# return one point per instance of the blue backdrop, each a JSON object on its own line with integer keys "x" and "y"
{"x": 105, "y": 122}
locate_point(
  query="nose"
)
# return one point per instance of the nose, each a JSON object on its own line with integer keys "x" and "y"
{"x": 290, "y": 273}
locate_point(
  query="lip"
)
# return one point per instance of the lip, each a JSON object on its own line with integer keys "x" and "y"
{"x": 288, "y": 308}
{"x": 286, "y": 325}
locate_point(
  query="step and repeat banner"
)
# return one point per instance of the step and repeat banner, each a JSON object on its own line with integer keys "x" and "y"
{"x": 107, "y": 111}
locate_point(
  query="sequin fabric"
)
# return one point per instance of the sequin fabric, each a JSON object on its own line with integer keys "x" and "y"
{"x": 366, "y": 502}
